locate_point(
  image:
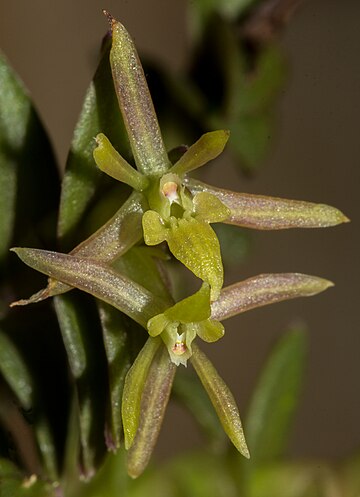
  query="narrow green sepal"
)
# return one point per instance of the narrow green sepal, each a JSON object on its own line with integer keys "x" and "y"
{"x": 135, "y": 103}
{"x": 265, "y": 289}
{"x": 270, "y": 213}
{"x": 98, "y": 279}
{"x": 155, "y": 397}
{"x": 208, "y": 147}
{"x": 133, "y": 389}
{"x": 112, "y": 163}
{"x": 221, "y": 398}
{"x": 191, "y": 309}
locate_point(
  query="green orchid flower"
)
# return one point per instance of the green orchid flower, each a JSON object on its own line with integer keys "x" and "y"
{"x": 180, "y": 324}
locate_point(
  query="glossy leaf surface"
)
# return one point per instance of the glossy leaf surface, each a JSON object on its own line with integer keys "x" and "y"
{"x": 29, "y": 185}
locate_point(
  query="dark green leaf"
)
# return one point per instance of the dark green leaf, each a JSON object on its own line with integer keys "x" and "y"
{"x": 29, "y": 185}
{"x": 117, "y": 340}
{"x": 82, "y": 179}
{"x": 77, "y": 316}
{"x": 17, "y": 374}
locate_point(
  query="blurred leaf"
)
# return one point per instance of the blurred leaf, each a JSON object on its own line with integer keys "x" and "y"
{"x": 154, "y": 401}
{"x": 201, "y": 474}
{"x": 16, "y": 372}
{"x": 251, "y": 138}
{"x": 264, "y": 83}
{"x": 98, "y": 279}
{"x": 265, "y": 289}
{"x": 82, "y": 179}
{"x": 235, "y": 244}
{"x": 288, "y": 480}
{"x": 77, "y": 315}
{"x": 270, "y": 213}
{"x": 275, "y": 399}
{"x": 221, "y": 398}
{"x": 190, "y": 392}
{"x": 29, "y": 185}
{"x": 133, "y": 389}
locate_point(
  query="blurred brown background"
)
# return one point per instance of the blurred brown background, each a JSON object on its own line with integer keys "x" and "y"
{"x": 315, "y": 156}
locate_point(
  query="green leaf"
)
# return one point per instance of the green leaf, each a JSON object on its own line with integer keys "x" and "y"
{"x": 251, "y": 138}
{"x": 16, "y": 373}
{"x": 265, "y": 82}
{"x": 98, "y": 279}
{"x": 275, "y": 399}
{"x": 155, "y": 397}
{"x": 133, "y": 389}
{"x": 221, "y": 398}
{"x": 136, "y": 105}
{"x": 29, "y": 184}
{"x": 82, "y": 179}
{"x": 207, "y": 148}
{"x": 76, "y": 318}
{"x": 117, "y": 341}
{"x": 270, "y": 213}
{"x": 112, "y": 163}
{"x": 265, "y": 289}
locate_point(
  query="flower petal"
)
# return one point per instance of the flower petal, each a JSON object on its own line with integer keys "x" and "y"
{"x": 195, "y": 244}
{"x": 210, "y": 330}
{"x": 112, "y": 163}
{"x": 154, "y": 230}
{"x": 265, "y": 289}
{"x": 271, "y": 213}
{"x": 209, "y": 208}
{"x": 208, "y": 147}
